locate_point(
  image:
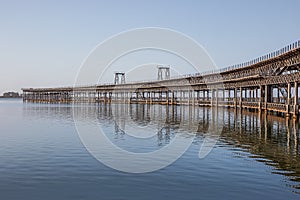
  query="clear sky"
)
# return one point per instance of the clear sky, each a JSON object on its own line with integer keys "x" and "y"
{"x": 43, "y": 43}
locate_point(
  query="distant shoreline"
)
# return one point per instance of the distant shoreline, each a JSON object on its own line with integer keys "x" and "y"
{"x": 2, "y": 97}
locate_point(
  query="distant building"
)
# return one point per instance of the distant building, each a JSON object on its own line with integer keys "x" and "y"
{"x": 11, "y": 95}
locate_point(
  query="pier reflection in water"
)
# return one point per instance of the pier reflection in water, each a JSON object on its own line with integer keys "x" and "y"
{"x": 270, "y": 139}
{"x": 144, "y": 127}
{"x": 267, "y": 139}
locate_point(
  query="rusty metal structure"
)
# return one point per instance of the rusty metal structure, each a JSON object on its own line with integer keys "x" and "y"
{"x": 268, "y": 83}
{"x": 119, "y": 80}
{"x": 160, "y": 70}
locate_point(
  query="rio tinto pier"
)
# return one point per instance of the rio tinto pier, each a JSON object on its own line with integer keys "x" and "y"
{"x": 268, "y": 83}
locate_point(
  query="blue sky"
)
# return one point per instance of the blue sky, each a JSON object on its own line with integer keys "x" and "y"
{"x": 43, "y": 43}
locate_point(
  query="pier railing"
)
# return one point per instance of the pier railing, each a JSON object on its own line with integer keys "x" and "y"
{"x": 255, "y": 61}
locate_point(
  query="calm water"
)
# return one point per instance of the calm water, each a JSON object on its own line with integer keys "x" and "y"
{"x": 42, "y": 157}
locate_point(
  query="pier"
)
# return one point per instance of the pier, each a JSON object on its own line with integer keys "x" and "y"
{"x": 268, "y": 83}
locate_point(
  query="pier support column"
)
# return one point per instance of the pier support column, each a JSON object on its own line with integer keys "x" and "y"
{"x": 189, "y": 97}
{"x": 278, "y": 95}
{"x": 151, "y": 97}
{"x": 217, "y": 97}
{"x": 289, "y": 93}
{"x": 110, "y": 97}
{"x": 296, "y": 109}
{"x": 208, "y": 95}
{"x": 167, "y": 97}
{"x": 266, "y": 97}
{"x": 212, "y": 97}
{"x": 288, "y": 101}
{"x": 256, "y": 94}
{"x": 241, "y": 97}
{"x": 193, "y": 96}
{"x": 228, "y": 98}
{"x": 173, "y": 97}
{"x": 261, "y": 97}
{"x": 235, "y": 98}
{"x": 198, "y": 96}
